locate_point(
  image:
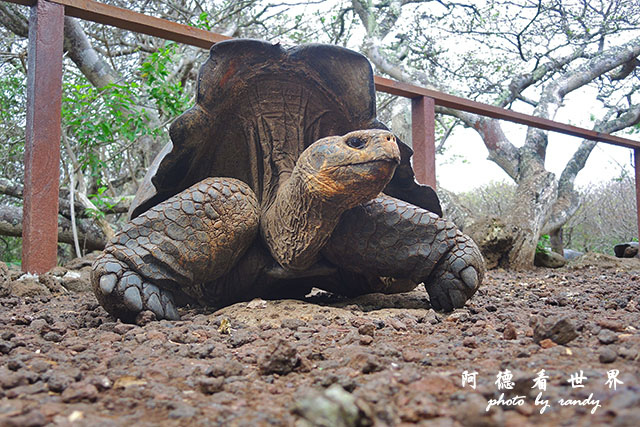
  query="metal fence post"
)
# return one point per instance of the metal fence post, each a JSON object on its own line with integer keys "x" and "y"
{"x": 42, "y": 139}
{"x": 424, "y": 139}
{"x": 636, "y": 162}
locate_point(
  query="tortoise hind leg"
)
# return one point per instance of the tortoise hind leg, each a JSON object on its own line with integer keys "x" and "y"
{"x": 176, "y": 247}
{"x": 405, "y": 244}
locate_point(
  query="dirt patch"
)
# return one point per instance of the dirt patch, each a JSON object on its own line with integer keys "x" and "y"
{"x": 382, "y": 360}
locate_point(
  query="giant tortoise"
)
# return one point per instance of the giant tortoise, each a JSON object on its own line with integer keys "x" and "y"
{"x": 280, "y": 179}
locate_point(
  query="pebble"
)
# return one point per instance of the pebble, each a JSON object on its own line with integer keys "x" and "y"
{"x": 182, "y": 410}
{"x": 398, "y": 325}
{"x": 221, "y": 367}
{"x": 510, "y": 332}
{"x": 607, "y": 355}
{"x": 560, "y": 330}
{"x": 292, "y": 323}
{"x": 366, "y": 340}
{"x": 628, "y": 353}
{"x": 606, "y": 336}
{"x": 58, "y": 382}
{"x": 280, "y": 358}
{"x": 334, "y": 407}
{"x": 210, "y": 385}
{"x": 52, "y": 336}
{"x": 611, "y": 324}
{"x": 470, "y": 342}
{"x": 547, "y": 343}
{"x": 79, "y": 392}
{"x": 32, "y": 418}
{"x": 12, "y": 379}
{"x": 367, "y": 329}
{"x": 411, "y": 355}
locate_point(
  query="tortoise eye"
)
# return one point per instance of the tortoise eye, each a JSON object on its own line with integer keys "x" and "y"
{"x": 357, "y": 143}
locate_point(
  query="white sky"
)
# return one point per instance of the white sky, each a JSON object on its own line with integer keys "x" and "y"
{"x": 470, "y": 168}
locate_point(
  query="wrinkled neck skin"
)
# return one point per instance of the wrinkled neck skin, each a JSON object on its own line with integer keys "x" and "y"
{"x": 300, "y": 221}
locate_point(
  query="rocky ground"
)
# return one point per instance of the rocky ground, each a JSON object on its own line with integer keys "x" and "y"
{"x": 374, "y": 360}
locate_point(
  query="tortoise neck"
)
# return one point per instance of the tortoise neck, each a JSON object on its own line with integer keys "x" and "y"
{"x": 298, "y": 223}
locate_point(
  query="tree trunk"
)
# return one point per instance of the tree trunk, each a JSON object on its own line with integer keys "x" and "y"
{"x": 557, "y": 244}
{"x": 535, "y": 196}
{"x": 90, "y": 237}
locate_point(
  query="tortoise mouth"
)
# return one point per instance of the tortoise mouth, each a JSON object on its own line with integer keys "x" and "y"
{"x": 393, "y": 160}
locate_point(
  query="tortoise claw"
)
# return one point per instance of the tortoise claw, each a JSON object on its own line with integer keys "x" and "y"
{"x": 124, "y": 293}
{"x": 457, "y": 276}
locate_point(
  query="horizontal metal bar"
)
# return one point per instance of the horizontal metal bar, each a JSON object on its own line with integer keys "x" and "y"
{"x": 138, "y": 22}
{"x": 23, "y": 2}
{"x": 445, "y": 100}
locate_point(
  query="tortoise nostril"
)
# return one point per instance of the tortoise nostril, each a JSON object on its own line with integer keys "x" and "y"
{"x": 357, "y": 143}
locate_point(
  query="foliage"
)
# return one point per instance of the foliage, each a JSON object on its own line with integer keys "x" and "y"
{"x": 12, "y": 119}
{"x": 492, "y": 199}
{"x": 606, "y": 217}
{"x": 544, "y": 244}
{"x": 10, "y": 250}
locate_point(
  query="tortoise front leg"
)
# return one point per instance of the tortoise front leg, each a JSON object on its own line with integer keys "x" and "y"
{"x": 175, "y": 247}
{"x": 389, "y": 238}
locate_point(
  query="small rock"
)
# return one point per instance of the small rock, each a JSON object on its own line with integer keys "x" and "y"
{"x": 292, "y": 324}
{"x": 33, "y": 418}
{"x": 58, "y": 382}
{"x": 14, "y": 364}
{"x": 240, "y": 338}
{"x": 366, "y": 340}
{"x": 365, "y": 363}
{"x": 547, "y": 343}
{"x": 52, "y": 336}
{"x": 628, "y": 353}
{"x": 549, "y": 259}
{"x": 210, "y": 385}
{"x": 280, "y": 358}
{"x": 367, "y": 329}
{"x": 101, "y": 382}
{"x": 257, "y": 303}
{"x": 123, "y": 328}
{"x": 398, "y": 325}
{"x": 76, "y": 281}
{"x": 607, "y": 355}
{"x": 473, "y": 412}
{"x": 13, "y": 379}
{"x": 78, "y": 392}
{"x": 39, "y": 325}
{"x": 611, "y": 324}
{"x": 411, "y": 355}
{"x": 335, "y": 407}
{"x": 559, "y": 330}
{"x": 221, "y": 367}
{"x": 26, "y": 287}
{"x": 607, "y": 336}
{"x": 145, "y": 317}
{"x": 470, "y": 342}
{"x": 510, "y": 332}
{"x": 182, "y": 410}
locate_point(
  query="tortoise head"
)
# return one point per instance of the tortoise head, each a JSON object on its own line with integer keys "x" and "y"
{"x": 350, "y": 169}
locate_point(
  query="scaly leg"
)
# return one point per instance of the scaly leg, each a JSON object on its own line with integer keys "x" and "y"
{"x": 175, "y": 247}
{"x": 403, "y": 243}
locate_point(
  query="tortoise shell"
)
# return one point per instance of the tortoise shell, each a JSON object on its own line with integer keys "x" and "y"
{"x": 258, "y": 107}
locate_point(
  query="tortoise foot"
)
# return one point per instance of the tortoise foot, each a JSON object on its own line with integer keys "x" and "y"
{"x": 124, "y": 293}
{"x": 457, "y": 276}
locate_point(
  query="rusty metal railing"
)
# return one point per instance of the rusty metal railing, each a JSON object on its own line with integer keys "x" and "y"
{"x": 42, "y": 134}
